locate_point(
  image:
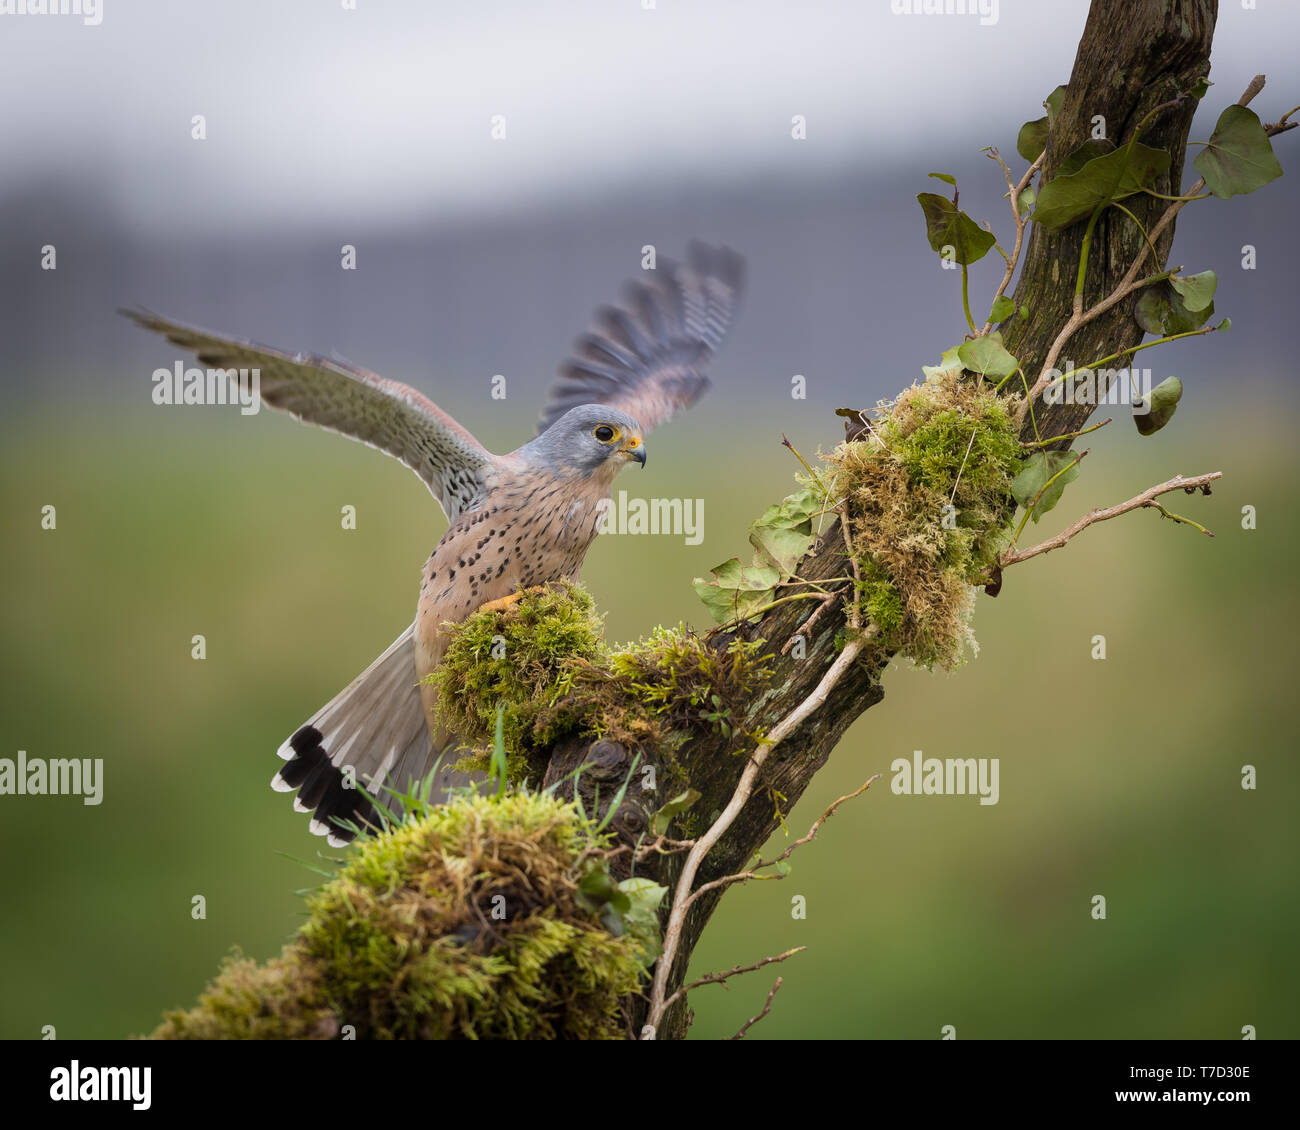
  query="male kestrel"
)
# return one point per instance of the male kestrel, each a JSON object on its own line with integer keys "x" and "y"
{"x": 517, "y": 520}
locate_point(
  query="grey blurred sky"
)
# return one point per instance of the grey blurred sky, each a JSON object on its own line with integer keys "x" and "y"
{"x": 316, "y": 112}
{"x": 624, "y": 126}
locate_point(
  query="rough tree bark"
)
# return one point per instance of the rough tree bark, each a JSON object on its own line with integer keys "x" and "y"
{"x": 1133, "y": 56}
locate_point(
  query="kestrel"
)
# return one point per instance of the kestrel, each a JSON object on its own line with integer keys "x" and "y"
{"x": 516, "y": 520}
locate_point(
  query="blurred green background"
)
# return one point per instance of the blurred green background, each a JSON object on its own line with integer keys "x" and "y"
{"x": 1118, "y": 777}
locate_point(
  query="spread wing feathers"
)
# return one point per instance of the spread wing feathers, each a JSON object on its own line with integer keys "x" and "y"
{"x": 386, "y": 415}
{"x": 648, "y": 358}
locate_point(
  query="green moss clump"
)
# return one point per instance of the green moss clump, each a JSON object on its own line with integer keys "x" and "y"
{"x": 542, "y": 660}
{"x": 928, "y": 495}
{"x": 518, "y": 658}
{"x": 461, "y": 924}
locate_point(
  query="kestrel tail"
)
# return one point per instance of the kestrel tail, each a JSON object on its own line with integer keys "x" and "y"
{"x": 516, "y": 520}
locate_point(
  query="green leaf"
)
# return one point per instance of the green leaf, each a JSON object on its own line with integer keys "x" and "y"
{"x": 1162, "y": 311}
{"x": 1037, "y": 471}
{"x": 948, "y": 177}
{"x": 680, "y": 803}
{"x": 641, "y": 917}
{"x": 1196, "y": 291}
{"x": 1239, "y": 157}
{"x": 987, "y": 355}
{"x": 1153, "y": 414}
{"x": 792, "y": 512}
{"x": 1202, "y": 85}
{"x": 737, "y": 590}
{"x": 780, "y": 538}
{"x": 1067, "y": 199}
{"x": 783, "y": 533}
{"x": 947, "y": 226}
{"x": 949, "y": 363}
{"x": 1224, "y": 325}
{"x": 782, "y": 867}
{"x": 780, "y": 546}
{"x": 1090, "y": 150}
{"x": 1032, "y": 139}
{"x": 1003, "y": 308}
{"x": 1026, "y": 199}
{"x": 597, "y": 884}
{"x": 1053, "y": 103}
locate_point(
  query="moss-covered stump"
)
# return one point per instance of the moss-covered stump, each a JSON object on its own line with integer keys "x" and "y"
{"x": 465, "y": 923}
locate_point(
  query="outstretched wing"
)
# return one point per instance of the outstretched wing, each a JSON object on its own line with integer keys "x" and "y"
{"x": 384, "y": 414}
{"x": 649, "y": 358}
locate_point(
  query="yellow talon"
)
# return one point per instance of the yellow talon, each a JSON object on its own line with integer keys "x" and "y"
{"x": 504, "y": 602}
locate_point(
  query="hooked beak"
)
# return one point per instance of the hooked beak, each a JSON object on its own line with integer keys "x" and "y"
{"x": 634, "y": 449}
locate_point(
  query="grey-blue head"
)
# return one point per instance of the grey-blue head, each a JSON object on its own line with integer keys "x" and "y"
{"x": 589, "y": 438}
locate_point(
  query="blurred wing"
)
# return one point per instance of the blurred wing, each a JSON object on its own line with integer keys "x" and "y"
{"x": 649, "y": 357}
{"x": 386, "y": 415}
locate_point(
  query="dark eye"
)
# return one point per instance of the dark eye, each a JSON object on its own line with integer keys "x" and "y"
{"x": 604, "y": 433}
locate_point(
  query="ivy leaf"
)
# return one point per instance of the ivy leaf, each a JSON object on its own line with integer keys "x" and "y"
{"x": 946, "y": 177}
{"x": 1202, "y": 85}
{"x": 987, "y": 356}
{"x": 1151, "y": 417}
{"x": 1003, "y": 308}
{"x": 1053, "y": 103}
{"x": 1067, "y": 199}
{"x": 784, "y": 532}
{"x": 1032, "y": 139}
{"x": 1026, "y": 199}
{"x": 780, "y": 538}
{"x": 641, "y": 917}
{"x": 736, "y": 590}
{"x": 792, "y": 512}
{"x": 1162, "y": 311}
{"x": 597, "y": 892}
{"x": 1196, "y": 291}
{"x": 780, "y": 546}
{"x": 948, "y": 363}
{"x": 1038, "y": 470}
{"x": 947, "y": 226}
{"x": 1238, "y": 158}
{"x": 1091, "y": 149}
{"x": 664, "y": 817}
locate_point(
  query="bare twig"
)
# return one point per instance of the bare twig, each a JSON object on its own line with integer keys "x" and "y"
{"x": 1146, "y": 498}
{"x": 1021, "y": 222}
{"x": 767, "y": 1007}
{"x": 753, "y": 872}
{"x": 721, "y": 977}
{"x": 807, "y": 625}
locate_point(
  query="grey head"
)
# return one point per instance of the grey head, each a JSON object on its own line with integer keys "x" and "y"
{"x": 588, "y": 439}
